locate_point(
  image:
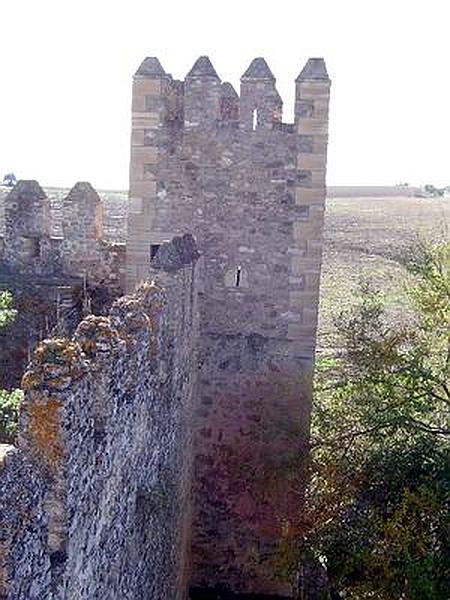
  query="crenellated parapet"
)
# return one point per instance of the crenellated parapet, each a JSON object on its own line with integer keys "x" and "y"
{"x": 54, "y": 279}
{"x": 202, "y": 100}
{"x": 95, "y": 497}
{"x": 180, "y": 126}
{"x": 29, "y": 247}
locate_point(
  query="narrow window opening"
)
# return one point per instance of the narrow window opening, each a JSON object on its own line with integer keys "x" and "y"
{"x": 254, "y": 119}
{"x": 154, "y": 250}
{"x": 238, "y": 276}
{"x": 32, "y": 246}
{"x": 35, "y": 248}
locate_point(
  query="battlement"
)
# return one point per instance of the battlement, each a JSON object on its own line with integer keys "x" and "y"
{"x": 203, "y": 100}
{"x": 54, "y": 279}
{"x": 28, "y": 245}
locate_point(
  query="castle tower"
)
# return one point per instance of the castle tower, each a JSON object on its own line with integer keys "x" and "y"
{"x": 27, "y": 221}
{"x": 252, "y": 192}
{"x": 82, "y": 223}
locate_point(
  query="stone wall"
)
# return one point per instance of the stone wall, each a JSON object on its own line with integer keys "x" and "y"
{"x": 54, "y": 279}
{"x": 94, "y": 502}
{"x": 252, "y": 191}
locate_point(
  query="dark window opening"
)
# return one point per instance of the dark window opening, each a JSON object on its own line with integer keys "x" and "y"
{"x": 304, "y": 177}
{"x": 303, "y": 212}
{"x": 238, "y": 276}
{"x": 154, "y": 250}
{"x": 32, "y": 246}
{"x": 35, "y": 248}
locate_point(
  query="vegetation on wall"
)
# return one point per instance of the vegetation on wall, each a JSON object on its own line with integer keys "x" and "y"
{"x": 9, "y": 400}
{"x": 376, "y": 520}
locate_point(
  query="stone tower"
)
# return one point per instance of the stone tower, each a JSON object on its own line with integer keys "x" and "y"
{"x": 82, "y": 226}
{"x": 251, "y": 189}
{"x": 27, "y": 221}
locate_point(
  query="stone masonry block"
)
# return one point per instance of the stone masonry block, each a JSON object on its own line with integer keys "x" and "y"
{"x": 313, "y": 89}
{"x": 312, "y": 127}
{"x": 310, "y": 196}
{"x": 135, "y": 205}
{"x": 145, "y": 120}
{"x": 296, "y": 299}
{"x": 311, "y": 161}
{"x": 304, "y": 230}
{"x": 320, "y": 144}
{"x": 142, "y": 86}
{"x": 137, "y": 137}
{"x": 321, "y": 106}
{"x": 315, "y": 247}
{"x": 301, "y": 265}
{"x": 145, "y": 154}
{"x": 312, "y": 281}
{"x": 144, "y": 189}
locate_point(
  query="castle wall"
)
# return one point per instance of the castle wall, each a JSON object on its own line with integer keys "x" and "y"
{"x": 94, "y": 503}
{"x": 54, "y": 279}
{"x": 252, "y": 191}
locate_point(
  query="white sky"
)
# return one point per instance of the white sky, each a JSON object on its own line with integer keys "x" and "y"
{"x": 66, "y": 68}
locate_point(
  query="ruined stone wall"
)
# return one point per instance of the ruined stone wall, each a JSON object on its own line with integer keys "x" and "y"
{"x": 252, "y": 190}
{"x": 94, "y": 503}
{"x": 54, "y": 279}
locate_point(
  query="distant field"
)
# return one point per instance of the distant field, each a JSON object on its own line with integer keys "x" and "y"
{"x": 363, "y": 237}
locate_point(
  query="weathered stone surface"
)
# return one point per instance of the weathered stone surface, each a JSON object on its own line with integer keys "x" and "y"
{"x": 179, "y": 252}
{"x": 93, "y": 503}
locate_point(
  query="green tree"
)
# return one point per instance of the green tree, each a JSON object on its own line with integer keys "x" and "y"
{"x": 7, "y": 313}
{"x": 378, "y": 503}
{"x": 9, "y": 400}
